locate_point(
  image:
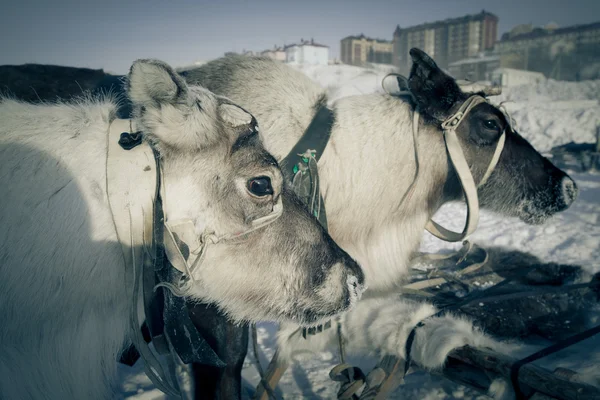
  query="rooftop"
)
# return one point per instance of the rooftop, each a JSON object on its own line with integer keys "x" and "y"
{"x": 362, "y": 36}
{"x": 303, "y": 42}
{"x": 449, "y": 21}
{"x": 273, "y": 50}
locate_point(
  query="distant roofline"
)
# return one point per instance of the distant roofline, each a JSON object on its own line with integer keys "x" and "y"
{"x": 361, "y": 36}
{"x": 272, "y": 50}
{"x": 304, "y": 44}
{"x": 541, "y": 32}
{"x": 448, "y": 21}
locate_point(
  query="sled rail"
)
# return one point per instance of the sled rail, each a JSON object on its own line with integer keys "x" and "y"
{"x": 463, "y": 362}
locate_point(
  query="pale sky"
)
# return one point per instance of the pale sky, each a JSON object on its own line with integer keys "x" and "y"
{"x": 111, "y": 34}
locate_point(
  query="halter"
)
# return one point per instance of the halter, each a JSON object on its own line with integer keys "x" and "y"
{"x": 134, "y": 178}
{"x": 457, "y": 157}
{"x": 459, "y": 162}
{"x": 183, "y": 231}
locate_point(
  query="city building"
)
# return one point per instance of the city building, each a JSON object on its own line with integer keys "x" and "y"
{"x": 446, "y": 41}
{"x": 360, "y": 50}
{"x": 569, "y": 53}
{"x": 307, "y": 52}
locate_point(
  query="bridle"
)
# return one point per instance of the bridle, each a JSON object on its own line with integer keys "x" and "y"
{"x": 457, "y": 157}
{"x": 143, "y": 229}
{"x": 183, "y": 231}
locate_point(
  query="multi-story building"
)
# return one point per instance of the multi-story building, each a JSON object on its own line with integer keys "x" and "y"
{"x": 307, "y": 52}
{"x": 570, "y": 53}
{"x": 446, "y": 41}
{"x": 360, "y": 50}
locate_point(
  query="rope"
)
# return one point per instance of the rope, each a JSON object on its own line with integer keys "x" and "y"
{"x": 341, "y": 347}
{"x": 351, "y": 378}
{"x": 258, "y": 366}
{"x": 485, "y": 296}
{"x": 563, "y": 344}
{"x": 152, "y": 365}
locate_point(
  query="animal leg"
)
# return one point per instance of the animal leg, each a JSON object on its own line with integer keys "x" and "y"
{"x": 382, "y": 326}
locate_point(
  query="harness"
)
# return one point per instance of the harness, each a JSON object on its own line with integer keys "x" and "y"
{"x": 457, "y": 157}
{"x": 151, "y": 244}
{"x": 305, "y": 178}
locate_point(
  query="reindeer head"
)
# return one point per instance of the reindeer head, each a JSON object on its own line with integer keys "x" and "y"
{"x": 524, "y": 183}
{"x": 218, "y": 175}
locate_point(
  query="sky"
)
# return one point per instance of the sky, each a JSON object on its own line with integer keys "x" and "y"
{"x": 111, "y": 34}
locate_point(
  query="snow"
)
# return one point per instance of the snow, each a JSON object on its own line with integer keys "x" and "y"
{"x": 347, "y": 80}
{"x": 553, "y": 113}
{"x": 547, "y": 114}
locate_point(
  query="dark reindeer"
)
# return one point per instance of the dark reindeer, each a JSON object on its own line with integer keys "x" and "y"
{"x": 365, "y": 171}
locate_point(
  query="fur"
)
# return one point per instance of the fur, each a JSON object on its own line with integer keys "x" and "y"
{"x": 366, "y": 170}
{"x": 63, "y": 293}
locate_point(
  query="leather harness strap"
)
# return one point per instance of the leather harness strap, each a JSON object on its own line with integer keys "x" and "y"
{"x": 300, "y": 165}
{"x": 461, "y": 167}
{"x": 131, "y": 188}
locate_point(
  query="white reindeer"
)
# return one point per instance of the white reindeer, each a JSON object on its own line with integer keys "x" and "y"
{"x": 64, "y": 300}
{"x": 365, "y": 171}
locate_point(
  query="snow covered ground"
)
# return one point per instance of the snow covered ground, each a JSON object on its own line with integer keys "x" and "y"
{"x": 548, "y": 115}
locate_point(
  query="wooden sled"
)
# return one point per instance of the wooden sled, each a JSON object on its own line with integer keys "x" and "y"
{"x": 477, "y": 368}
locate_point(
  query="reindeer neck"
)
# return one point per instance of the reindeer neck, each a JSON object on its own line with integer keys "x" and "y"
{"x": 366, "y": 170}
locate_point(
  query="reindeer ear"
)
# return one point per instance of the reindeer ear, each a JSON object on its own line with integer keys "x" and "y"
{"x": 234, "y": 115}
{"x": 192, "y": 120}
{"x": 153, "y": 82}
{"x": 435, "y": 92}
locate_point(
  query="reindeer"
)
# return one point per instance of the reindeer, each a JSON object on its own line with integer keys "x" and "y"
{"x": 365, "y": 173}
{"x": 65, "y": 288}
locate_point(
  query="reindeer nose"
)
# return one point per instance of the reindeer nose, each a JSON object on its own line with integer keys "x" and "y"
{"x": 569, "y": 191}
{"x": 355, "y": 288}
{"x": 355, "y": 272}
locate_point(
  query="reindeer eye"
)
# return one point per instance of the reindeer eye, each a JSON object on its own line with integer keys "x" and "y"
{"x": 260, "y": 186}
{"x": 491, "y": 124}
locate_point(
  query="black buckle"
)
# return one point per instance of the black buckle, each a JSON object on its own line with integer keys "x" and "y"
{"x": 316, "y": 329}
{"x": 130, "y": 140}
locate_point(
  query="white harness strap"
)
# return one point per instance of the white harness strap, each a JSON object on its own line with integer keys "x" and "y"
{"x": 131, "y": 178}
{"x": 494, "y": 160}
{"x": 459, "y": 162}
